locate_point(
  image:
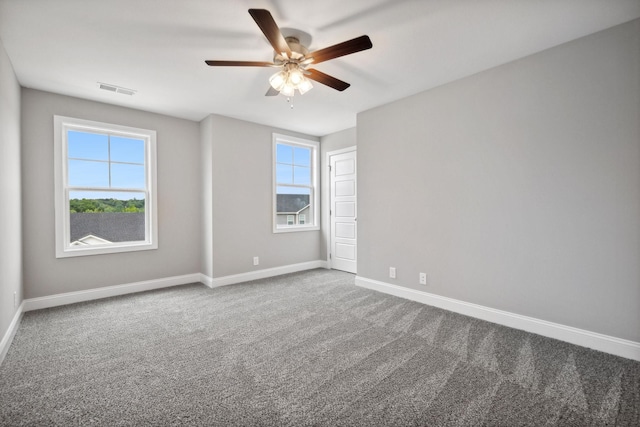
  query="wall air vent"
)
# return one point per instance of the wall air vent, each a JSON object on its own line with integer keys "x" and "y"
{"x": 116, "y": 89}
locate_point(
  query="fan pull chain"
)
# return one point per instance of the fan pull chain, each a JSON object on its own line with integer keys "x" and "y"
{"x": 290, "y": 102}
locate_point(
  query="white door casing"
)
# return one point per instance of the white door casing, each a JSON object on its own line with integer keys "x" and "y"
{"x": 343, "y": 212}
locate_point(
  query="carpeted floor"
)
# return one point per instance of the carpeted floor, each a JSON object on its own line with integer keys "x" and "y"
{"x": 299, "y": 350}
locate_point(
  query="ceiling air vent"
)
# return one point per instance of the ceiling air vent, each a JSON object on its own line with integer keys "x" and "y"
{"x": 116, "y": 89}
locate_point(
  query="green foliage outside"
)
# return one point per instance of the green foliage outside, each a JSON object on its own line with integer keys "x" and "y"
{"x": 105, "y": 205}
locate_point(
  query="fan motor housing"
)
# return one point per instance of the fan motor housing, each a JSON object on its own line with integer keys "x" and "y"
{"x": 295, "y": 46}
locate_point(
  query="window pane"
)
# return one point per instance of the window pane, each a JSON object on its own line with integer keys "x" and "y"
{"x": 127, "y": 150}
{"x": 104, "y": 217}
{"x": 301, "y": 175}
{"x": 127, "y": 176}
{"x": 302, "y": 156}
{"x": 284, "y": 174}
{"x": 291, "y": 199}
{"x": 83, "y": 173}
{"x": 284, "y": 154}
{"x": 84, "y": 145}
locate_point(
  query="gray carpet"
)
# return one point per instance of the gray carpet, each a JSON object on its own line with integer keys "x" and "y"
{"x": 303, "y": 349}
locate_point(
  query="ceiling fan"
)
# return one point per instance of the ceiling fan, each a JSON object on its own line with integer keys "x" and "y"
{"x": 293, "y": 59}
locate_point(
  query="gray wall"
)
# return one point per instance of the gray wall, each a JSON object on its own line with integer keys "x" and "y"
{"x": 242, "y": 204}
{"x": 10, "y": 193}
{"x": 517, "y": 188}
{"x": 334, "y": 141}
{"x": 179, "y": 207}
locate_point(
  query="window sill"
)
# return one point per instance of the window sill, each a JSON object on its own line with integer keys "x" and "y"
{"x": 102, "y": 250}
{"x": 295, "y": 228}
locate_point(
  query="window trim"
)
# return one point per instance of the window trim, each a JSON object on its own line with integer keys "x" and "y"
{"x": 64, "y": 249}
{"x": 315, "y": 183}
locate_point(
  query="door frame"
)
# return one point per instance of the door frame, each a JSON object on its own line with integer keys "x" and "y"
{"x": 325, "y": 209}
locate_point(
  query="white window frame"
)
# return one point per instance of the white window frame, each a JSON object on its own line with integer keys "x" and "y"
{"x": 315, "y": 183}
{"x": 301, "y": 219}
{"x": 64, "y": 249}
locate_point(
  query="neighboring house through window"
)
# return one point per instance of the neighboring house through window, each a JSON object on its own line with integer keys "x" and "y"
{"x": 295, "y": 184}
{"x": 105, "y": 184}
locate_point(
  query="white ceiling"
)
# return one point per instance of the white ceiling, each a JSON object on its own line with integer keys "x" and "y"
{"x": 158, "y": 48}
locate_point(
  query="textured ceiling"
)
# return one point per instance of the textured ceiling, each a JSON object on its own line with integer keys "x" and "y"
{"x": 158, "y": 48}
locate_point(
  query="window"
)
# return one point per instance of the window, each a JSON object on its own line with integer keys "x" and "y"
{"x": 105, "y": 183}
{"x": 295, "y": 184}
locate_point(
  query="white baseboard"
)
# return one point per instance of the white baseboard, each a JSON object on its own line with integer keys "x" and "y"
{"x": 206, "y": 280}
{"x": 11, "y": 332}
{"x": 108, "y": 291}
{"x": 147, "y": 285}
{"x": 261, "y": 274}
{"x": 594, "y": 340}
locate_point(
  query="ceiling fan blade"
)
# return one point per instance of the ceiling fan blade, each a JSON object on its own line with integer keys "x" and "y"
{"x": 239, "y": 63}
{"x": 271, "y": 31}
{"x": 345, "y": 48}
{"x": 272, "y": 92}
{"x": 326, "y": 79}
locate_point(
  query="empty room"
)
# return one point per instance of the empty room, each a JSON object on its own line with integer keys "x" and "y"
{"x": 320, "y": 213}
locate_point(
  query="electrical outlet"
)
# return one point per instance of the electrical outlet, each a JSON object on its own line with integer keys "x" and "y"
{"x": 256, "y": 260}
{"x": 15, "y": 299}
{"x": 392, "y": 272}
{"x": 423, "y": 278}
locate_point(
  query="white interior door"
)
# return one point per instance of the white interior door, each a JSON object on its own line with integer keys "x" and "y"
{"x": 343, "y": 212}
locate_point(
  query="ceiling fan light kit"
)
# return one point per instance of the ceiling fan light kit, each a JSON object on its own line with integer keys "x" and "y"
{"x": 290, "y": 78}
{"x": 285, "y": 83}
{"x": 293, "y": 59}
